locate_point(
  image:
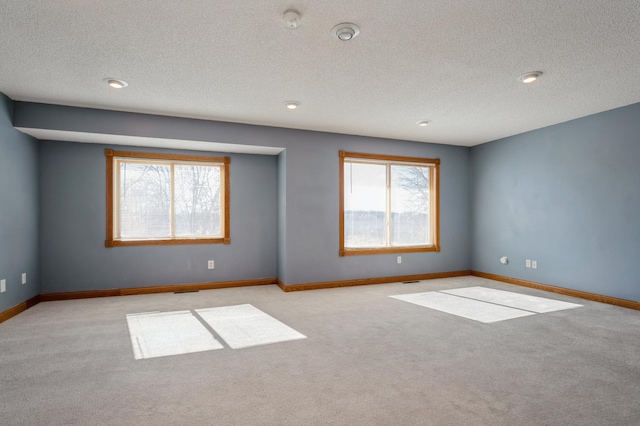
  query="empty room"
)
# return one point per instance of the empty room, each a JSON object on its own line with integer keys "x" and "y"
{"x": 319, "y": 213}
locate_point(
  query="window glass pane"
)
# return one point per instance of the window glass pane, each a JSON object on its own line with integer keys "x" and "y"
{"x": 145, "y": 194}
{"x": 410, "y": 206}
{"x": 365, "y": 205}
{"x": 197, "y": 201}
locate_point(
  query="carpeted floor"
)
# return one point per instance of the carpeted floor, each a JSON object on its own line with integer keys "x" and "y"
{"x": 368, "y": 359}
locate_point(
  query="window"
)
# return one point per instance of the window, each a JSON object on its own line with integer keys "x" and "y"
{"x": 157, "y": 199}
{"x": 388, "y": 204}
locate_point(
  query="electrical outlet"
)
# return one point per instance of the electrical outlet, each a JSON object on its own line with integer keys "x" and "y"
{"x": 399, "y": 259}
{"x": 527, "y": 263}
{"x": 534, "y": 264}
{"x": 210, "y": 264}
{"x": 24, "y": 278}
{"x": 3, "y": 286}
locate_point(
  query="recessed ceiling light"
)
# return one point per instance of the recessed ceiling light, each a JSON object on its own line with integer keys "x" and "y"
{"x": 345, "y": 31}
{"x": 423, "y": 123}
{"x": 292, "y": 104}
{"x": 115, "y": 83}
{"x": 529, "y": 77}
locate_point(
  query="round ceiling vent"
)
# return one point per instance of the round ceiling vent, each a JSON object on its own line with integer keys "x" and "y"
{"x": 345, "y": 31}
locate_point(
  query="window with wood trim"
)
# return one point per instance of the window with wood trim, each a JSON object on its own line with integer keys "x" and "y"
{"x": 388, "y": 204}
{"x": 155, "y": 199}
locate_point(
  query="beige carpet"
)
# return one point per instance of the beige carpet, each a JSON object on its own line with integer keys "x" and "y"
{"x": 367, "y": 359}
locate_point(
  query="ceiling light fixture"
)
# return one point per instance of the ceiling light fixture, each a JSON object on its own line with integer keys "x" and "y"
{"x": 292, "y": 104}
{"x": 291, "y": 19}
{"x": 529, "y": 77}
{"x": 115, "y": 83}
{"x": 345, "y": 31}
{"x": 423, "y": 123}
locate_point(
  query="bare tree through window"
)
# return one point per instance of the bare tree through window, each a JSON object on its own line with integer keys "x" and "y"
{"x": 161, "y": 199}
{"x": 387, "y": 203}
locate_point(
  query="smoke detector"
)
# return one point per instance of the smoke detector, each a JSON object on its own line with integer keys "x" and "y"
{"x": 345, "y": 31}
{"x": 291, "y": 19}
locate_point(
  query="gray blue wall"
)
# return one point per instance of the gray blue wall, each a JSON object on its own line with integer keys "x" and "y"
{"x": 306, "y": 199}
{"x": 72, "y": 227}
{"x": 282, "y": 216}
{"x": 312, "y": 211}
{"x": 18, "y": 210}
{"x": 567, "y": 196}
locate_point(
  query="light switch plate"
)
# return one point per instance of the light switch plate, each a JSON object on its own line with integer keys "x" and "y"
{"x": 24, "y": 278}
{"x": 3, "y": 286}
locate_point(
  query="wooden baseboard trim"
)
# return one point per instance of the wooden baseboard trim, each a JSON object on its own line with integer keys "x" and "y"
{"x": 561, "y": 290}
{"x": 11, "y": 312}
{"x": 50, "y": 297}
{"x": 369, "y": 281}
{"x": 20, "y": 307}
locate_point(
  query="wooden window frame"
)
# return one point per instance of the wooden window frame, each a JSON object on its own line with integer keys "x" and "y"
{"x": 434, "y": 203}
{"x": 111, "y": 205}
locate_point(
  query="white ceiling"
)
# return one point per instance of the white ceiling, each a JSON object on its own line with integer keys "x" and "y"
{"x": 454, "y": 62}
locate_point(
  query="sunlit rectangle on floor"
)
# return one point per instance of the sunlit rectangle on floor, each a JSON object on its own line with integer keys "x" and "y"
{"x": 463, "y": 307}
{"x": 243, "y": 326}
{"x": 158, "y": 334}
{"x": 513, "y": 300}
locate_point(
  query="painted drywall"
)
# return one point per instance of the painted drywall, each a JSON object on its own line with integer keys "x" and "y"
{"x": 312, "y": 195}
{"x": 567, "y": 196}
{"x": 282, "y": 216}
{"x": 18, "y": 211}
{"x": 308, "y": 207}
{"x": 72, "y": 227}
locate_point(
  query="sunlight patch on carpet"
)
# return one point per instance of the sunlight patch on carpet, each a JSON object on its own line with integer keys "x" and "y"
{"x": 514, "y": 300}
{"x": 243, "y": 326}
{"x": 462, "y": 307}
{"x": 485, "y": 304}
{"x": 158, "y": 334}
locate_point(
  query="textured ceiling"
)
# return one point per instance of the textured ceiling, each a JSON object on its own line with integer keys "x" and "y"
{"x": 454, "y": 62}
